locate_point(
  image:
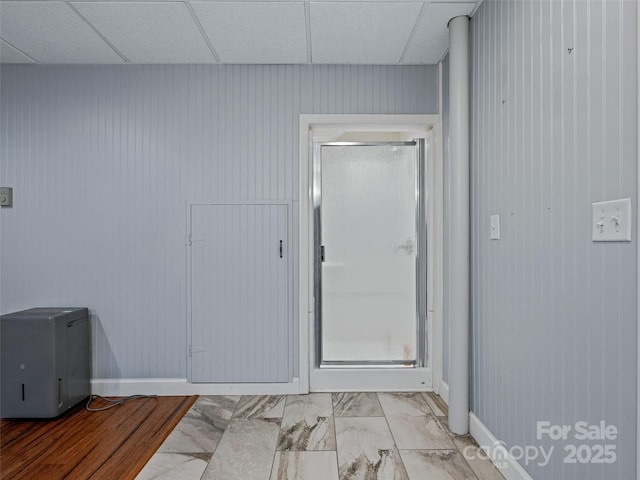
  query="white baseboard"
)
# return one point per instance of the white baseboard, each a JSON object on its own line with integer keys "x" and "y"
{"x": 508, "y": 466}
{"x": 112, "y": 387}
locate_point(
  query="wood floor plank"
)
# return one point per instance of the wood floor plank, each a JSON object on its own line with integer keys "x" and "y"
{"x": 13, "y": 431}
{"x": 97, "y": 460}
{"x": 86, "y": 444}
{"x": 115, "y": 443}
{"x": 57, "y": 441}
{"x": 31, "y": 439}
{"x": 126, "y": 464}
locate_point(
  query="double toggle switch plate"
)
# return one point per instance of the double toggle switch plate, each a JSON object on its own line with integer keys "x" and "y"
{"x": 611, "y": 221}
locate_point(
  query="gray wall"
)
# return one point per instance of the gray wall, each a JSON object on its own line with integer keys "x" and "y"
{"x": 554, "y": 316}
{"x": 104, "y": 159}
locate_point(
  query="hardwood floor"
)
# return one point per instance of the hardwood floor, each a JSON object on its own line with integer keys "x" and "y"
{"x": 112, "y": 444}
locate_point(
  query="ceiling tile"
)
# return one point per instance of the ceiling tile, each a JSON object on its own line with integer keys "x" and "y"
{"x": 255, "y": 32}
{"x": 149, "y": 32}
{"x": 8, "y": 54}
{"x": 51, "y": 32}
{"x": 361, "y": 32}
{"x": 431, "y": 40}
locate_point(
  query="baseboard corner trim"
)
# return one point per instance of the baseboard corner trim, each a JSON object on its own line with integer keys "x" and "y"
{"x": 508, "y": 466}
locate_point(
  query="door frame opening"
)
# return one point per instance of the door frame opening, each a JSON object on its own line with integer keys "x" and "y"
{"x": 372, "y": 128}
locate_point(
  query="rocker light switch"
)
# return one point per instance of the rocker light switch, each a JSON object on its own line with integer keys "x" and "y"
{"x": 6, "y": 196}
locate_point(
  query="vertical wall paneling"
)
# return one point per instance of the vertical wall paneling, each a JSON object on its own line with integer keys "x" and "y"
{"x": 554, "y": 314}
{"x": 104, "y": 159}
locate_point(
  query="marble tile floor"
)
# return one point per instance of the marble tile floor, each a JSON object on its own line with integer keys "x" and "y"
{"x": 320, "y": 436}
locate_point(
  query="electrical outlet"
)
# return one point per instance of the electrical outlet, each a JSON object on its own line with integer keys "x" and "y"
{"x": 6, "y": 196}
{"x": 611, "y": 221}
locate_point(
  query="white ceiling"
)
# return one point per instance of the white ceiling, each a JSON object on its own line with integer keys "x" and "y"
{"x": 387, "y": 32}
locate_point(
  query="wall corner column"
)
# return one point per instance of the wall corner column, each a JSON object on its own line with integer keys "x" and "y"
{"x": 638, "y": 242}
{"x": 458, "y": 223}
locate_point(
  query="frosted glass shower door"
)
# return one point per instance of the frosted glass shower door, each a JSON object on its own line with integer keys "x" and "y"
{"x": 368, "y": 248}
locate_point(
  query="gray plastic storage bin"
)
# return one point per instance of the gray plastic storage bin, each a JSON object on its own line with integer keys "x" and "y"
{"x": 45, "y": 361}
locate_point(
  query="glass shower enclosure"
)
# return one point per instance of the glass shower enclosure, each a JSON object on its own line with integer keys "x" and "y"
{"x": 369, "y": 254}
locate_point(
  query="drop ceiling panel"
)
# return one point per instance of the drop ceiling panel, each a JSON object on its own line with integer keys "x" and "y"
{"x": 431, "y": 39}
{"x": 255, "y": 32}
{"x": 51, "y": 32}
{"x": 149, "y": 32}
{"x": 8, "y": 54}
{"x": 361, "y": 32}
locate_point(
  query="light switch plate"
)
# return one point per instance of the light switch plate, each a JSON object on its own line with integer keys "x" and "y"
{"x": 494, "y": 234}
{"x": 6, "y": 196}
{"x": 611, "y": 221}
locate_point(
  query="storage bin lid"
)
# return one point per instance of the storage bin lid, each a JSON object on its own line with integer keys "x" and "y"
{"x": 47, "y": 313}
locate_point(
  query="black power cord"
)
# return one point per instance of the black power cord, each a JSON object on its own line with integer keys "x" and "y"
{"x": 113, "y": 401}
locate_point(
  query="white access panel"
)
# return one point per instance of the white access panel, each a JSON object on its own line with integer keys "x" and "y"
{"x": 239, "y": 293}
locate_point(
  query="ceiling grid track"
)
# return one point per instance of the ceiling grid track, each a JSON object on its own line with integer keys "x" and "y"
{"x": 307, "y": 22}
{"x": 104, "y": 39}
{"x": 413, "y": 33}
{"x": 203, "y": 32}
{"x": 18, "y": 50}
